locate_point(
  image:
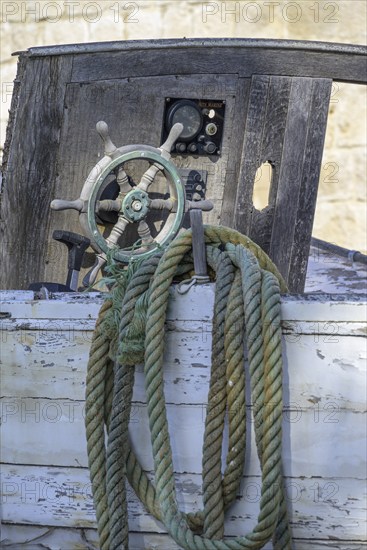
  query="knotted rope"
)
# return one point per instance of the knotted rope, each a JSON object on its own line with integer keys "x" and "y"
{"x": 130, "y": 330}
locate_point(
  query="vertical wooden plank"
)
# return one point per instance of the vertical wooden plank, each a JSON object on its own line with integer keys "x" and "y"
{"x": 233, "y": 169}
{"x": 285, "y": 125}
{"x": 13, "y": 110}
{"x": 275, "y": 125}
{"x": 299, "y": 176}
{"x": 31, "y": 170}
{"x": 263, "y": 141}
{"x": 309, "y": 183}
{"x": 260, "y": 226}
{"x": 285, "y": 214}
{"x": 251, "y": 154}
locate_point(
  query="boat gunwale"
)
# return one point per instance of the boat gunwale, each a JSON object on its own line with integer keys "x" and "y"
{"x": 179, "y": 43}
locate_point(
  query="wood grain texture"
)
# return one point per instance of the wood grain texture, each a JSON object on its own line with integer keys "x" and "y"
{"x": 25, "y": 358}
{"x": 140, "y": 108}
{"x": 299, "y": 175}
{"x": 241, "y": 197}
{"x": 45, "y": 481}
{"x": 13, "y": 112}
{"x": 337, "y": 274}
{"x": 59, "y": 538}
{"x": 52, "y": 432}
{"x": 189, "y": 43}
{"x": 62, "y": 497}
{"x": 313, "y": 153}
{"x": 285, "y": 126}
{"x": 31, "y": 170}
{"x": 235, "y": 127}
{"x": 49, "y": 429}
{"x": 291, "y": 168}
{"x": 97, "y": 85}
{"x": 236, "y": 59}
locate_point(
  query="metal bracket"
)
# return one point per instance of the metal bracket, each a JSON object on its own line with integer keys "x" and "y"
{"x": 199, "y": 253}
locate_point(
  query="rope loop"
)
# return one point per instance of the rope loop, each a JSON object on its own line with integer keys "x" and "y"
{"x": 130, "y": 330}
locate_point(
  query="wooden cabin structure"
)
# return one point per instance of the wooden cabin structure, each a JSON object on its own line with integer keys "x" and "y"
{"x": 276, "y": 96}
{"x": 271, "y": 99}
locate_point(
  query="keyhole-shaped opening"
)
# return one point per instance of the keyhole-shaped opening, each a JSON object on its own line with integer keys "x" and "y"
{"x": 262, "y": 185}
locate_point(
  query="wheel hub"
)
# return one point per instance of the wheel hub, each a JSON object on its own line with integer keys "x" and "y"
{"x": 135, "y": 205}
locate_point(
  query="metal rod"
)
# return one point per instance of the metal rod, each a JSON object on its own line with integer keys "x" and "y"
{"x": 353, "y": 255}
{"x": 198, "y": 243}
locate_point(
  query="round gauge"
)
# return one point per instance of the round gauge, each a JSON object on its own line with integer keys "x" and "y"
{"x": 189, "y": 114}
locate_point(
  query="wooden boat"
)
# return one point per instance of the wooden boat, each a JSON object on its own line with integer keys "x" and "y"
{"x": 46, "y": 492}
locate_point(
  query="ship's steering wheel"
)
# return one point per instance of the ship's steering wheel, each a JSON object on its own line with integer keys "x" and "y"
{"x": 132, "y": 204}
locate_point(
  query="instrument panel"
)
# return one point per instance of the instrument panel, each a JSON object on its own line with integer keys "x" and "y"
{"x": 203, "y": 122}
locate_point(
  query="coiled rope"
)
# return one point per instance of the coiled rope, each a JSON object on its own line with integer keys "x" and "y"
{"x": 130, "y": 330}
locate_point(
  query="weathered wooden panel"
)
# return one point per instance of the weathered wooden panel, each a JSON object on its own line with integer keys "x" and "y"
{"x": 48, "y": 363}
{"x": 318, "y": 304}
{"x": 54, "y": 538}
{"x": 310, "y": 436}
{"x": 244, "y": 57}
{"x": 263, "y": 141}
{"x": 31, "y": 169}
{"x": 231, "y": 176}
{"x": 300, "y": 168}
{"x": 285, "y": 126}
{"x": 140, "y": 120}
{"x": 331, "y": 274}
{"x": 45, "y": 480}
{"x": 131, "y": 79}
{"x": 140, "y": 109}
{"x": 13, "y": 110}
{"x": 309, "y": 184}
{"x": 61, "y": 497}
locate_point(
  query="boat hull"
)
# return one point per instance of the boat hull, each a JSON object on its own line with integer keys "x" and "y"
{"x": 45, "y": 480}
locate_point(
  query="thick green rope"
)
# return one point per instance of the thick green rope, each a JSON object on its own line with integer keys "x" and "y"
{"x": 235, "y": 387}
{"x": 217, "y": 401}
{"x": 94, "y": 421}
{"x": 136, "y": 310}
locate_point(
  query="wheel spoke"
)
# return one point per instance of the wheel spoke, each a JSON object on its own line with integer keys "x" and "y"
{"x": 145, "y": 234}
{"x": 148, "y": 176}
{"x": 165, "y": 149}
{"x": 163, "y": 204}
{"x": 117, "y": 231}
{"x": 123, "y": 181}
{"x": 109, "y": 205}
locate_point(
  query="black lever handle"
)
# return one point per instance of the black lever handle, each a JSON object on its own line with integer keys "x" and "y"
{"x": 77, "y": 245}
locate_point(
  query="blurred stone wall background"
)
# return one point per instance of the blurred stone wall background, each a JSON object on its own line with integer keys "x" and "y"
{"x": 341, "y": 209}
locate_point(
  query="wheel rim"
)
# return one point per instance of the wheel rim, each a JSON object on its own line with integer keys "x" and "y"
{"x": 167, "y": 233}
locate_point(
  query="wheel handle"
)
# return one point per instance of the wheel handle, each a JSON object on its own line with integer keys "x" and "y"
{"x": 132, "y": 204}
{"x": 136, "y": 205}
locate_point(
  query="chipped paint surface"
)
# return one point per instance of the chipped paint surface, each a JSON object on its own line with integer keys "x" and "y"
{"x": 46, "y": 490}
{"x": 328, "y": 273}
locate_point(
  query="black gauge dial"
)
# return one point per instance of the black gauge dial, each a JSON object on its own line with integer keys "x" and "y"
{"x": 189, "y": 114}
